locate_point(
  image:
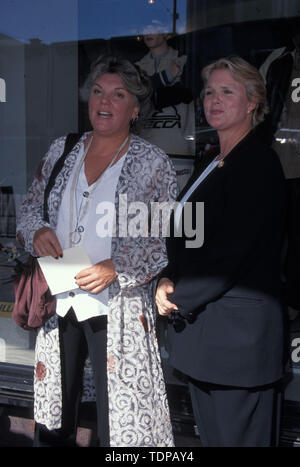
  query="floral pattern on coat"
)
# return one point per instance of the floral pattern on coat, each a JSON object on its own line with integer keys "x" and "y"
{"x": 138, "y": 406}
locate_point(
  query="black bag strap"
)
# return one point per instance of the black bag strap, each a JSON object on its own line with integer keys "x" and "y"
{"x": 71, "y": 140}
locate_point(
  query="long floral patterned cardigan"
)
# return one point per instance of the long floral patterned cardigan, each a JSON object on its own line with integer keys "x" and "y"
{"x": 138, "y": 406}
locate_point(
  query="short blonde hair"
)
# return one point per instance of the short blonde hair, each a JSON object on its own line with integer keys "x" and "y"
{"x": 247, "y": 75}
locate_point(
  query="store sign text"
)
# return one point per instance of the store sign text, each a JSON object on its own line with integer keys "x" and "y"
{"x": 2, "y": 90}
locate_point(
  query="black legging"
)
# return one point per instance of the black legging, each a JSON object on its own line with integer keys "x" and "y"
{"x": 77, "y": 340}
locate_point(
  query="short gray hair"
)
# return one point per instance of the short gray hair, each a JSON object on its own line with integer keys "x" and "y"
{"x": 135, "y": 80}
{"x": 247, "y": 75}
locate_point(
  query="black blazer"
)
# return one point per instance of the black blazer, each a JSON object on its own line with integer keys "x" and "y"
{"x": 228, "y": 290}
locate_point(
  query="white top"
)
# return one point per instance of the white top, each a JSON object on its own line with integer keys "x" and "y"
{"x": 85, "y": 304}
{"x": 202, "y": 176}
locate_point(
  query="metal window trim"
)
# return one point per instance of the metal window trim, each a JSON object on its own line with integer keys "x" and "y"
{"x": 16, "y": 384}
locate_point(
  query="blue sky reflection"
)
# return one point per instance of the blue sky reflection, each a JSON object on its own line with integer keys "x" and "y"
{"x": 67, "y": 20}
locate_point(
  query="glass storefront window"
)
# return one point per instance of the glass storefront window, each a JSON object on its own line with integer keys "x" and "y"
{"x": 43, "y": 61}
{"x": 46, "y": 50}
{"x": 35, "y": 67}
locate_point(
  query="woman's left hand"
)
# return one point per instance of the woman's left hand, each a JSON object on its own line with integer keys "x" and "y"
{"x": 97, "y": 277}
{"x": 165, "y": 288}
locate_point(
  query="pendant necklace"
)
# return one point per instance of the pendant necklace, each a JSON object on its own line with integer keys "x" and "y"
{"x": 76, "y": 234}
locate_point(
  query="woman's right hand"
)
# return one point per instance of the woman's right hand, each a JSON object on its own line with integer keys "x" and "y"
{"x": 45, "y": 243}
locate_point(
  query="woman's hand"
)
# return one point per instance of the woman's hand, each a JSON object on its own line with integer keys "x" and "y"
{"x": 164, "y": 306}
{"x": 45, "y": 243}
{"x": 97, "y": 277}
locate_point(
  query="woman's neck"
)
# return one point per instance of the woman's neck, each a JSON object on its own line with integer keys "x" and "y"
{"x": 106, "y": 145}
{"x": 229, "y": 139}
{"x": 103, "y": 152}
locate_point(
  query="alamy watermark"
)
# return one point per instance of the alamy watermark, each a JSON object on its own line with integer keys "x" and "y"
{"x": 2, "y": 90}
{"x": 296, "y": 92}
{"x": 137, "y": 219}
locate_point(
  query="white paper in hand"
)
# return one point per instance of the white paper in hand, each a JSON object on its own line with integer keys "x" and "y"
{"x": 60, "y": 273}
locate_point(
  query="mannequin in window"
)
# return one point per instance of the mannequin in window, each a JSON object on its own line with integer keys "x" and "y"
{"x": 171, "y": 124}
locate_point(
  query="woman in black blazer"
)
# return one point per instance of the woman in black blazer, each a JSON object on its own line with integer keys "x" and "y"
{"x": 226, "y": 326}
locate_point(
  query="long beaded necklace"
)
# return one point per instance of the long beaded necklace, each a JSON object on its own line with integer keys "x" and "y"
{"x": 75, "y": 235}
